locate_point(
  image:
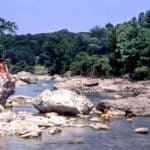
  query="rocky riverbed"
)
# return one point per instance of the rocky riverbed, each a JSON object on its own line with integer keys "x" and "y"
{"x": 120, "y": 95}
{"x": 20, "y": 118}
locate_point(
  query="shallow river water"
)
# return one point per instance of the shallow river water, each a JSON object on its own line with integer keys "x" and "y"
{"x": 121, "y": 136}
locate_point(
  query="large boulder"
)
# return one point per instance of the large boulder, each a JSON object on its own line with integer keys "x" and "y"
{"x": 139, "y": 106}
{"x": 62, "y": 102}
{"x": 26, "y": 77}
{"x": 7, "y": 88}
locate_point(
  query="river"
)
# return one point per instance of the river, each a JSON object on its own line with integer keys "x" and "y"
{"x": 121, "y": 136}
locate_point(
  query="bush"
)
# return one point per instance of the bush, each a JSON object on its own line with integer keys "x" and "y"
{"x": 90, "y": 65}
{"x": 141, "y": 72}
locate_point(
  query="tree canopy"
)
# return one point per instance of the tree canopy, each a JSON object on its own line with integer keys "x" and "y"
{"x": 110, "y": 50}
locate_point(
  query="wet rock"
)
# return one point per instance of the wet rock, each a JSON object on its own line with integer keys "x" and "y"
{"x": 17, "y": 100}
{"x": 129, "y": 119}
{"x": 91, "y": 82}
{"x": 142, "y": 130}
{"x": 95, "y": 111}
{"x": 95, "y": 119}
{"x": 78, "y": 125}
{"x": 100, "y": 126}
{"x": 139, "y": 106}
{"x": 74, "y": 124}
{"x": 31, "y": 134}
{"x": 62, "y": 102}
{"x": 26, "y": 77}
{"x": 57, "y": 78}
{"x": 54, "y": 130}
{"x": 83, "y": 116}
{"x": 76, "y": 141}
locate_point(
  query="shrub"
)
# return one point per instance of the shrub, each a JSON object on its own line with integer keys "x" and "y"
{"x": 141, "y": 72}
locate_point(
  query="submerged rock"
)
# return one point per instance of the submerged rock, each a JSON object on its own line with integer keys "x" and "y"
{"x": 100, "y": 126}
{"x": 31, "y": 134}
{"x": 62, "y": 102}
{"x": 54, "y": 130}
{"x": 95, "y": 119}
{"x": 76, "y": 141}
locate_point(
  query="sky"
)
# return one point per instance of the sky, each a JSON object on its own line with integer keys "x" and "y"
{"x": 43, "y": 16}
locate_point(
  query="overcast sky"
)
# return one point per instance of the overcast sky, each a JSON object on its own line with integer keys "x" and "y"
{"x": 40, "y": 16}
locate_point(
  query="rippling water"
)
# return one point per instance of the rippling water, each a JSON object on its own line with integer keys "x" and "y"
{"x": 121, "y": 136}
{"x": 34, "y": 89}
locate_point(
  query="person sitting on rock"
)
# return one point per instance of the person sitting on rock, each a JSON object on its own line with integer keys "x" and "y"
{"x": 4, "y": 73}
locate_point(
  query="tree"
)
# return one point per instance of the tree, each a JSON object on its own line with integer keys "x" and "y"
{"x": 87, "y": 65}
{"x": 7, "y": 27}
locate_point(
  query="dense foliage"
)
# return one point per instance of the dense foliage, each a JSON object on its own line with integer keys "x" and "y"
{"x": 109, "y": 50}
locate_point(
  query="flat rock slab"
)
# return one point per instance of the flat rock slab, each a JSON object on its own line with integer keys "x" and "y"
{"x": 92, "y": 82}
{"x": 100, "y": 126}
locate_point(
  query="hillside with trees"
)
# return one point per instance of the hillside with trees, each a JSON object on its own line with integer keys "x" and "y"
{"x": 103, "y": 51}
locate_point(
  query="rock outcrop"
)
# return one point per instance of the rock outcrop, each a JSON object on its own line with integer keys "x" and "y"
{"x": 139, "y": 106}
{"x": 27, "y": 125}
{"x": 26, "y": 77}
{"x": 62, "y": 102}
{"x": 6, "y": 89}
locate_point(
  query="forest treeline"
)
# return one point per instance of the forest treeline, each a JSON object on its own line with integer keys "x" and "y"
{"x": 112, "y": 50}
